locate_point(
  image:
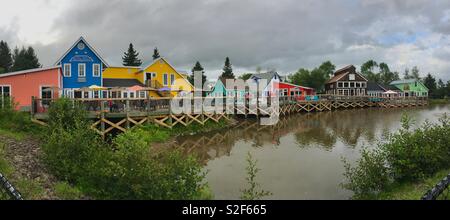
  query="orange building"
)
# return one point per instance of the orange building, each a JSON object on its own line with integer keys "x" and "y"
{"x": 22, "y": 85}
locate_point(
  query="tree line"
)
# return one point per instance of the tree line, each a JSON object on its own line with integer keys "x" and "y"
{"x": 373, "y": 71}
{"x": 18, "y": 59}
{"x": 26, "y": 58}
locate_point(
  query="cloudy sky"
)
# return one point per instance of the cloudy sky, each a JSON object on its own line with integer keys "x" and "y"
{"x": 283, "y": 35}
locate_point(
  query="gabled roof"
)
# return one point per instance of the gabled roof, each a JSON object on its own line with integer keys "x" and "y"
{"x": 28, "y": 71}
{"x": 404, "y": 81}
{"x": 374, "y": 86}
{"x": 267, "y": 76}
{"x": 340, "y": 73}
{"x": 304, "y": 87}
{"x": 88, "y": 45}
{"x": 148, "y": 64}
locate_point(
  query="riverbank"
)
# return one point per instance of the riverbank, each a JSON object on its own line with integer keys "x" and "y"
{"x": 412, "y": 191}
{"x": 439, "y": 101}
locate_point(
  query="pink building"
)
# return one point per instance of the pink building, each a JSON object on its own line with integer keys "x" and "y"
{"x": 22, "y": 85}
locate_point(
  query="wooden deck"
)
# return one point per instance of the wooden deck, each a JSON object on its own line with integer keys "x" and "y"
{"x": 121, "y": 114}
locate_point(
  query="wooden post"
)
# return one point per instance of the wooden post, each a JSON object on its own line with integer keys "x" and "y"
{"x": 127, "y": 109}
{"x": 102, "y": 115}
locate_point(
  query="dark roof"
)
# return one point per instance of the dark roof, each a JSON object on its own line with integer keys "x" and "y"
{"x": 121, "y": 83}
{"x": 336, "y": 78}
{"x": 391, "y": 87}
{"x": 267, "y": 76}
{"x": 373, "y": 86}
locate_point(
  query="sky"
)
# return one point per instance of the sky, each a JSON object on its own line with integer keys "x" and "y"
{"x": 284, "y": 35}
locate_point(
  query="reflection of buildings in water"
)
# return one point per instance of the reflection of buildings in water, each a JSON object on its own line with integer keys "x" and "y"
{"x": 321, "y": 129}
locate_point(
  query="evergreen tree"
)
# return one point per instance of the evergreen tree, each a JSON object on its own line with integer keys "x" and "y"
{"x": 228, "y": 70}
{"x": 430, "y": 83}
{"x": 6, "y": 61}
{"x": 156, "y": 54}
{"x": 415, "y": 74}
{"x": 24, "y": 59}
{"x": 130, "y": 57}
{"x": 197, "y": 67}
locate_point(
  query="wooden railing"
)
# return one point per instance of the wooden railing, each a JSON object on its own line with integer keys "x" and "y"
{"x": 117, "y": 105}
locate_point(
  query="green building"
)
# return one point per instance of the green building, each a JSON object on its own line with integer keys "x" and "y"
{"x": 411, "y": 87}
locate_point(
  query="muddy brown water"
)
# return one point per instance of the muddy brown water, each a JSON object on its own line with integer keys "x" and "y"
{"x": 300, "y": 157}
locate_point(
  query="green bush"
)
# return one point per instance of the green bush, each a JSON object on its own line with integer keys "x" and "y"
{"x": 65, "y": 191}
{"x": 369, "y": 176}
{"x": 406, "y": 156}
{"x": 15, "y": 121}
{"x": 136, "y": 171}
{"x": 127, "y": 168}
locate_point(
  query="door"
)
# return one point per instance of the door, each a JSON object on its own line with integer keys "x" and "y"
{"x": 148, "y": 79}
{"x": 46, "y": 95}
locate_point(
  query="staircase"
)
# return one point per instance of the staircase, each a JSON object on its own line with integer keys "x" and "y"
{"x": 157, "y": 85}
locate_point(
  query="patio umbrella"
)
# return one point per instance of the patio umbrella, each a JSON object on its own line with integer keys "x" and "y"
{"x": 135, "y": 88}
{"x": 96, "y": 88}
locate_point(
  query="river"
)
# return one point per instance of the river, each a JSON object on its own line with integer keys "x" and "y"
{"x": 300, "y": 157}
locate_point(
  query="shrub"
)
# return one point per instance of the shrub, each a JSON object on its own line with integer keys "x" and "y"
{"x": 12, "y": 120}
{"x": 370, "y": 175}
{"x": 407, "y": 156}
{"x": 65, "y": 191}
{"x": 136, "y": 171}
{"x": 254, "y": 191}
{"x": 127, "y": 168}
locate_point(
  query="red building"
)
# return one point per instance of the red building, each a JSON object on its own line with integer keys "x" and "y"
{"x": 285, "y": 89}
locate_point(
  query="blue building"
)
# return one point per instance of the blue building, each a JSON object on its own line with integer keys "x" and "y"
{"x": 81, "y": 67}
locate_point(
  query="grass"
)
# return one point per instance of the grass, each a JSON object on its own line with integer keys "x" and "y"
{"x": 65, "y": 191}
{"x": 439, "y": 101}
{"x": 30, "y": 189}
{"x": 19, "y": 136}
{"x": 412, "y": 191}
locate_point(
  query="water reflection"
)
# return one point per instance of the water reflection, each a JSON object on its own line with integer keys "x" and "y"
{"x": 303, "y": 148}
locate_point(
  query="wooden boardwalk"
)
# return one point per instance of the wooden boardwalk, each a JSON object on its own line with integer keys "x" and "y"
{"x": 122, "y": 114}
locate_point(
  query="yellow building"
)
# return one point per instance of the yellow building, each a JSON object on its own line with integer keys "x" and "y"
{"x": 158, "y": 74}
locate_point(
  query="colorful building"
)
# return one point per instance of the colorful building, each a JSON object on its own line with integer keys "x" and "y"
{"x": 411, "y": 87}
{"x": 42, "y": 83}
{"x": 220, "y": 89}
{"x": 158, "y": 74}
{"x": 266, "y": 81}
{"x": 81, "y": 67}
{"x": 285, "y": 89}
{"x": 346, "y": 81}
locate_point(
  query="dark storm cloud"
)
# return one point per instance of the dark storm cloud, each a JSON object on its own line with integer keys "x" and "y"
{"x": 285, "y": 34}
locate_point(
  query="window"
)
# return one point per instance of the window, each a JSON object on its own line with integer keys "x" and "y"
{"x": 131, "y": 95}
{"x": 352, "y": 84}
{"x": 142, "y": 94}
{"x": 363, "y": 84}
{"x": 125, "y": 95}
{"x": 96, "y": 94}
{"x": 96, "y": 70}
{"x": 346, "y": 85}
{"x": 105, "y": 94}
{"x": 165, "y": 79}
{"x": 86, "y": 95}
{"x": 172, "y": 79}
{"x": 5, "y": 91}
{"x": 340, "y": 85}
{"x": 46, "y": 95}
{"x": 81, "y": 70}
{"x": 358, "y": 84}
{"x": 66, "y": 70}
{"x": 351, "y": 77}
